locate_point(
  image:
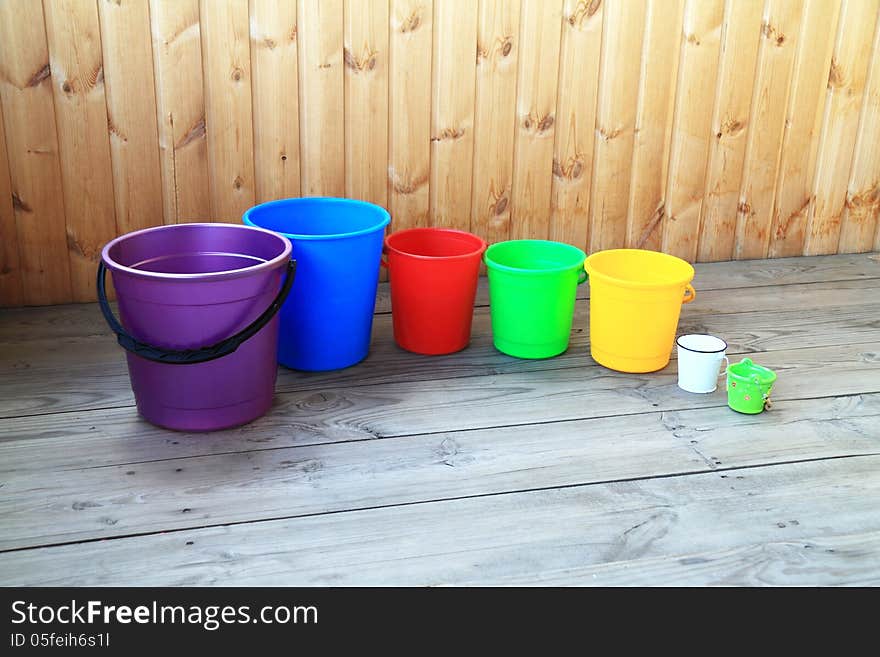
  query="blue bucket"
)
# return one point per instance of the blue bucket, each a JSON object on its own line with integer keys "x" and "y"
{"x": 327, "y": 319}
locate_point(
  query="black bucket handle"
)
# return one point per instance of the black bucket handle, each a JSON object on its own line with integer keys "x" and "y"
{"x": 189, "y": 356}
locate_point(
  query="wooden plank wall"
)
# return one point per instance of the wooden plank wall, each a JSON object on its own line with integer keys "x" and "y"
{"x": 711, "y": 129}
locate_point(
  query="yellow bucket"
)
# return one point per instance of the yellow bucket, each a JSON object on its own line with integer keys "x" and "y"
{"x": 635, "y": 301}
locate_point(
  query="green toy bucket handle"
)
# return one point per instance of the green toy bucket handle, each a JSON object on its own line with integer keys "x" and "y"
{"x": 582, "y": 277}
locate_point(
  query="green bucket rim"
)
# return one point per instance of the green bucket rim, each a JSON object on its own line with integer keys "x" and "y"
{"x": 577, "y": 263}
{"x": 765, "y": 375}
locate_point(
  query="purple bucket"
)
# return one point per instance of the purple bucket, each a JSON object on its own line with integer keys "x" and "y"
{"x": 198, "y": 304}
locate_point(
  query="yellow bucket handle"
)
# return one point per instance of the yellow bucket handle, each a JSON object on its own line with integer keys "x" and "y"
{"x": 690, "y": 292}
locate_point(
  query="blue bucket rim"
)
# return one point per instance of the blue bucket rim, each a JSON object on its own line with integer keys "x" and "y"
{"x": 386, "y": 217}
{"x": 276, "y": 262}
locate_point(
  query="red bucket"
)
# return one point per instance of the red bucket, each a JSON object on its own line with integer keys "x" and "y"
{"x": 433, "y": 274}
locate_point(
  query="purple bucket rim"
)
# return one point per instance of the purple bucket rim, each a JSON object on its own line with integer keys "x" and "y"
{"x": 277, "y": 261}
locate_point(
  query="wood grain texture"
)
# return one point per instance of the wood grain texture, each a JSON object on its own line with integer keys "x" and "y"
{"x": 623, "y": 30}
{"x": 321, "y": 97}
{"x": 91, "y": 502}
{"x": 579, "y": 56}
{"x": 846, "y": 88}
{"x": 602, "y": 523}
{"x": 429, "y": 475}
{"x": 11, "y": 293}
{"x": 653, "y": 127}
{"x": 101, "y": 378}
{"x": 800, "y": 142}
{"x": 409, "y": 106}
{"x": 518, "y": 146}
{"x": 494, "y": 118}
{"x": 861, "y": 214}
{"x": 32, "y": 152}
{"x": 65, "y": 351}
{"x": 366, "y": 100}
{"x": 180, "y": 108}
{"x": 540, "y": 38}
{"x": 130, "y": 89}
{"x": 845, "y": 560}
{"x": 226, "y": 60}
{"x": 691, "y": 132}
{"x": 452, "y": 112}
{"x": 779, "y": 33}
{"x": 74, "y": 38}
{"x": 275, "y": 86}
{"x": 731, "y": 127}
{"x": 453, "y": 380}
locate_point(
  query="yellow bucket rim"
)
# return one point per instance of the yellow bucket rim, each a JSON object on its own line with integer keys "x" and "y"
{"x": 637, "y": 284}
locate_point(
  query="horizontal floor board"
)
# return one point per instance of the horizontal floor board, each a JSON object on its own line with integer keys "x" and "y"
{"x": 102, "y": 502}
{"x": 19, "y": 325}
{"x": 848, "y": 560}
{"x": 471, "y": 468}
{"x": 119, "y": 436}
{"x": 483, "y": 540}
{"x": 92, "y": 373}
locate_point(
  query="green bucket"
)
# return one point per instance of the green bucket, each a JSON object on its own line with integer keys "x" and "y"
{"x": 749, "y": 386}
{"x": 532, "y": 288}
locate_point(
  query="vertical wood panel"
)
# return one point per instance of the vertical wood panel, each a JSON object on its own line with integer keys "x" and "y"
{"x": 495, "y": 114}
{"x": 730, "y": 127}
{"x": 659, "y": 71}
{"x": 779, "y": 33}
{"x": 862, "y": 209}
{"x": 366, "y": 100}
{"x": 321, "y": 98}
{"x": 620, "y": 67}
{"x": 32, "y": 149}
{"x": 794, "y": 187}
{"x": 578, "y": 88}
{"x": 180, "y": 110}
{"x": 275, "y": 85}
{"x": 10, "y": 264}
{"x": 452, "y": 115}
{"x": 540, "y": 36}
{"x": 846, "y": 86}
{"x": 75, "y": 59}
{"x": 697, "y": 76}
{"x": 131, "y": 113}
{"x": 679, "y": 125}
{"x": 226, "y": 62}
{"x": 409, "y": 132}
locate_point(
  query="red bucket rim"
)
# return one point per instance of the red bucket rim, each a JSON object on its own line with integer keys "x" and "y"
{"x": 482, "y": 245}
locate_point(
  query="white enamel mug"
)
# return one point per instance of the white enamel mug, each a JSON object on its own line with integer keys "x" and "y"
{"x": 699, "y": 362}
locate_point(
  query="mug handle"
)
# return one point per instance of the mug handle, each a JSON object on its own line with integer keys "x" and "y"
{"x": 726, "y": 366}
{"x": 582, "y": 277}
{"x": 690, "y": 292}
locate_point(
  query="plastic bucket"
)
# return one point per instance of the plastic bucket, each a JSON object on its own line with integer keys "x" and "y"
{"x": 532, "y": 289}
{"x": 749, "y": 386}
{"x": 635, "y": 302}
{"x": 433, "y": 273}
{"x": 327, "y": 320}
{"x": 198, "y": 304}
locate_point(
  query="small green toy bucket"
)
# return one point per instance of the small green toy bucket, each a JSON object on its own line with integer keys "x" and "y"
{"x": 532, "y": 289}
{"x": 749, "y": 386}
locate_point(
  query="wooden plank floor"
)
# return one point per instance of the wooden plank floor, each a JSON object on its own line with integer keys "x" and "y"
{"x": 474, "y": 468}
